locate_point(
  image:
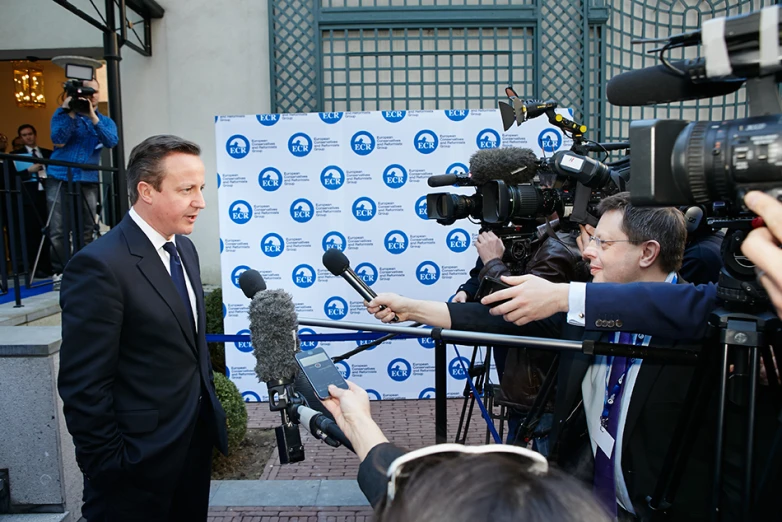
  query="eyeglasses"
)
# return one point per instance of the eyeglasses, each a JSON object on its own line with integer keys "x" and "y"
{"x": 403, "y": 467}
{"x": 608, "y": 242}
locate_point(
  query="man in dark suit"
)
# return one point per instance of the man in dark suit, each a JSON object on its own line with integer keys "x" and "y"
{"x": 613, "y": 432}
{"x": 33, "y": 196}
{"x": 135, "y": 375}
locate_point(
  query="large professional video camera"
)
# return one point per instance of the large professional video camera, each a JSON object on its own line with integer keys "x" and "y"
{"x": 78, "y": 69}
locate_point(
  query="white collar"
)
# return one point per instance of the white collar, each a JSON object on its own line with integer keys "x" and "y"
{"x": 31, "y": 149}
{"x": 154, "y": 236}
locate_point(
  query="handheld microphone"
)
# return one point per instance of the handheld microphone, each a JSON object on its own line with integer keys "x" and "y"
{"x": 321, "y": 427}
{"x": 512, "y": 165}
{"x": 251, "y": 282}
{"x": 337, "y": 263}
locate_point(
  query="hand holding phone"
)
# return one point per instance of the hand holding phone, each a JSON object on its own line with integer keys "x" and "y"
{"x": 489, "y": 285}
{"x": 320, "y": 371}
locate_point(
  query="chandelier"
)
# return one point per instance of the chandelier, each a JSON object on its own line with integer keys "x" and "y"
{"x": 28, "y": 86}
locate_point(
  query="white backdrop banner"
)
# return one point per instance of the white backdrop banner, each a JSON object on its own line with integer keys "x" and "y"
{"x": 293, "y": 185}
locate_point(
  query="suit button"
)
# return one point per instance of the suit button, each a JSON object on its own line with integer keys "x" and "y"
{"x": 618, "y": 323}
{"x": 611, "y": 323}
{"x": 599, "y": 323}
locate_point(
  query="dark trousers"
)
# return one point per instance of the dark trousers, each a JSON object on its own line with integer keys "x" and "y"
{"x": 132, "y": 500}
{"x": 56, "y": 195}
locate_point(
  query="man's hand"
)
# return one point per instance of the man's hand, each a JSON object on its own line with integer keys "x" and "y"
{"x": 351, "y": 411}
{"x": 583, "y": 238}
{"x": 762, "y": 245}
{"x": 531, "y": 298}
{"x": 460, "y": 297}
{"x": 489, "y": 246}
{"x": 395, "y": 304}
{"x": 35, "y": 168}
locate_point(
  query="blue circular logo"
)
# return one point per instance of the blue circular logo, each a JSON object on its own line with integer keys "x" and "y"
{"x": 457, "y": 168}
{"x": 427, "y": 393}
{"x": 344, "y": 369}
{"x": 300, "y": 144}
{"x": 307, "y": 345}
{"x": 458, "y": 240}
{"x": 364, "y": 209}
{"x": 550, "y": 140}
{"x": 399, "y": 370}
{"x": 244, "y": 346}
{"x": 302, "y": 210}
{"x": 426, "y": 342}
{"x": 239, "y": 270}
{"x": 425, "y": 142}
{"x": 219, "y": 181}
{"x": 395, "y": 242}
{"x": 240, "y": 212}
{"x": 330, "y": 117}
{"x": 488, "y": 139}
{"x": 373, "y": 395}
{"x": 225, "y": 310}
{"x": 428, "y": 273}
{"x": 362, "y": 143}
{"x": 332, "y": 177}
{"x": 270, "y": 179}
{"x": 237, "y": 146}
{"x": 227, "y": 372}
{"x": 363, "y": 342}
{"x": 221, "y": 245}
{"x": 272, "y": 244}
{"x": 456, "y": 369}
{"x": 458, "y": 115}
{"x": 367, "y": 272}
{"x": 303, "y": 276}
{"x": 334, "y": 239}
{"x": 420, "y": 207}
{"x": 250, "y": 396}
{"x": 335, "y": 308}
{"x": 394, "y": 116}
{"x": 267, "y": 120}
{"x": 395, "y": 176}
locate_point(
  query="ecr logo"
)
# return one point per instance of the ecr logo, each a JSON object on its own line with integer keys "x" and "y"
{"x": 364, "y": 209}
{"x": 272, "y": 244}
{"x": 395, "y": 176}
{"x": 427, "y": 273}
{"x": 303, "y": 276}
{"x": 550, "y": 140}
{"x": 332, "y": 177}
{"x": 219, "y": 180}
{"x": 244, "y": 346}
{"x": 458, "y": 240}
{"x": 302, "y": 210}
{"x": 221, "y": 245}
{"x": 425, "y": 142}
{"x": 343, "y": 368}
{"x": 240, "y": 212}
{"x": 334, "y": 240}
{"x": 427, "y": 393}
{"x": 420, "y": 207}
{"x": 330, "y": 117}
{"x": 457, "y": 168}
{"x": 457, "y": 115}
{"x": 300, "y": 144}
{"x": 361, "y": 342}
{"x": 270, "y": 179}
{"x": 307, "y": 345}
{"x": 267, "y": 120}
{"x": 239, "y": 270}
{"x": 335, "y": 308}
{"x": 237, "y": 146}
{"x": 394, "y": 116}
{"x": 488, "y": 139}
{"x": 396, "y": 241}
{"x": 250, "y": 396}
{"x": 367, "y": 272}
{"x": 362, "y": 143}
{"x": 373, "y": 395}
{"x": 456, "y": 369}
{"x": 399, "y": 370}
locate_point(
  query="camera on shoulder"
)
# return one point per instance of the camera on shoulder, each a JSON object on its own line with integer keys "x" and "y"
{"x": 78, "y": 69}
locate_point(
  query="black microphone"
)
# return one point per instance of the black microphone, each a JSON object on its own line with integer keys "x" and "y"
{"x": 251, "y": 282}
{"x": 445, "y": 180}
{"x": 659, "y": 84}
{"x": 337, "y": 263}
{"x": 512, "y": 165}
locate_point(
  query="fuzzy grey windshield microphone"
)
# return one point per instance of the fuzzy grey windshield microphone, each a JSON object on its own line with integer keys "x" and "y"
{"x": 510, "y": 164}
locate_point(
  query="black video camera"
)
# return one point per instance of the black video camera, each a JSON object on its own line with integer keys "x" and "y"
{"x": 74, "y": 88}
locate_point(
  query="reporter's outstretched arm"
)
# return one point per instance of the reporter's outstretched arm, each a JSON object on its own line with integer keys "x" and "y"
{"x": 762, "y": 245}
{"x": 433, "y": 313}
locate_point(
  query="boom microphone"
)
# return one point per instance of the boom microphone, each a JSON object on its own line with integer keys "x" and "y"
{"x": 337, "y": 263}
{"x": 251, "y": 282}
{"x": 512, "y": 165}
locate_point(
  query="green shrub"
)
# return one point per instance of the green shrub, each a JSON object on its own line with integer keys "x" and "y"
{"x": 235, "y": 411}
{"x": 213, "y": 302}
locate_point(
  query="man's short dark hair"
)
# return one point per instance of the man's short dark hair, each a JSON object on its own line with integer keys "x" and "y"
{"x": 26, "y": 126}
{"x": 665, "y": 225}
{"x": 146, "y": 159}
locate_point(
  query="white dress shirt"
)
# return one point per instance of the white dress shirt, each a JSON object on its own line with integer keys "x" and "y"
{"x": 157, "y": 242}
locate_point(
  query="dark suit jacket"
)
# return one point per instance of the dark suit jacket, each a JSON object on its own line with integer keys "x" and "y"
{"x": 46, "y": 153}
{"x": 132, "y": 370}
{"x": 658, "y": 397}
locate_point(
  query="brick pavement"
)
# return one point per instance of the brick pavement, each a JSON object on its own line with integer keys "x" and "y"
{"x": 288, "y": 514}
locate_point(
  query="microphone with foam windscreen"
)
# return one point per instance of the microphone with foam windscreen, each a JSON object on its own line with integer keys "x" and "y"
{"x": 511, "y": 165}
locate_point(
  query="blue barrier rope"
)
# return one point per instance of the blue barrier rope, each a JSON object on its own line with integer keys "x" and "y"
{"x": 228, "y": 338}
{"x": 484, "y": 411}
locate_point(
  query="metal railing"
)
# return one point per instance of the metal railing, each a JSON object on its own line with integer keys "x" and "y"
{"x": 13, "y": 243}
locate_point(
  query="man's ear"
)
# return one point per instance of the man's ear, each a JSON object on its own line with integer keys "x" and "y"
{"x": 145, "y": 191}
{"x": 650, "y": 251}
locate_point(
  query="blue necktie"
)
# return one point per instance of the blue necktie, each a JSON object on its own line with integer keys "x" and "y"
{"x": 178, "y": 276}
{"x": 604, "y": 485}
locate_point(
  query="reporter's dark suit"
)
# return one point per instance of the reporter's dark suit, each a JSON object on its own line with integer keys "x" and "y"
{"x": 658, "y": 396}
{"x": 136, "y": 381}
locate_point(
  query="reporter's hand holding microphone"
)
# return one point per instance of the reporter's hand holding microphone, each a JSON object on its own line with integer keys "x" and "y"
{"x": 762, "y": 245}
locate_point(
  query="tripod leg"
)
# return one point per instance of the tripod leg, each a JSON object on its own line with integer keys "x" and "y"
{"x": 720, "y": 431}
{"x": 461, "y": 437}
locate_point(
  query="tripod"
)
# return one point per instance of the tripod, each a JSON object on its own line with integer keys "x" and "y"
{"x": 479, "y": 372}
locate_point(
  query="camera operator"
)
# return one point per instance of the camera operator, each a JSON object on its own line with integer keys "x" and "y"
{"x": 454, "y": 483}
{"x": 78, "y": 137}
{"x": 762, "y": 245}
{"x": 702, "y": 257}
